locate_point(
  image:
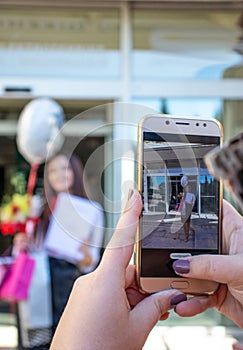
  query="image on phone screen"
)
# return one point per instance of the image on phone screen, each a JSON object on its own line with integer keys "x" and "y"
{"x": 181, "y": 201}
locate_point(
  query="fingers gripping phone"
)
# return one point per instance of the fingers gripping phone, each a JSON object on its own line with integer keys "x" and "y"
{"x": 181, "y": 213}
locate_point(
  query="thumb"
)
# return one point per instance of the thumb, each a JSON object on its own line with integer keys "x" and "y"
{"x": 150, "y": 310}
{"x": 119, "y": 251}
{"x": 218, "y": 268}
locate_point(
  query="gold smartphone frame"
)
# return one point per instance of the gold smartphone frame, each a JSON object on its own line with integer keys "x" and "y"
{"x": 187, "y": 285}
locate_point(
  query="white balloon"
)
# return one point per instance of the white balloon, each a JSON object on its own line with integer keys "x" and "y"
{"x": 39, "y": 135}
{"x": 184, "y": 181}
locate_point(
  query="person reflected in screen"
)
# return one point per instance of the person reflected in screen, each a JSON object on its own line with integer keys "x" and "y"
{"x": 186, "y": 206}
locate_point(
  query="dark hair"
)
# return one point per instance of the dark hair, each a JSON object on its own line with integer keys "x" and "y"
{"x": 78, "y": 189}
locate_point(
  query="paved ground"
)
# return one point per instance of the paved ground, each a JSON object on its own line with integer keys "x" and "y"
{"x": 197, "y": 333}
{"x": 8, "y": 331}
{"x": 166, "y": 231}
{"x": 189, "y": 338}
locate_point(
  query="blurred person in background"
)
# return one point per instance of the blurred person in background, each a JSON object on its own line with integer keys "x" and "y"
{"x": 62, "y": 174}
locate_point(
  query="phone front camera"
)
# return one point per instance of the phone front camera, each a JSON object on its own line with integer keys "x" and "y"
{"x": 197, "y": 124}
{"x": 167, "y": 122}
{"x": 204, "y": 124}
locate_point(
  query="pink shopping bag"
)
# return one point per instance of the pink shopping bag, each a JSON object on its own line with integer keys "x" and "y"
{"x": 17, "y": 281}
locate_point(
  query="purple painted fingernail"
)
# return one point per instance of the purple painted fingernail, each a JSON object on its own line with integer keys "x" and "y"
{"x": 176, "y": 299}
{"x": 181, "y": 266}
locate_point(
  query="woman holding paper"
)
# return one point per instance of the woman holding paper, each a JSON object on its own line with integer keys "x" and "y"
{"x": 64, "y": 174}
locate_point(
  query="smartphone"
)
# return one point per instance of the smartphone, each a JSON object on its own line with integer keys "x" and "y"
{"x": 182, "y": 201}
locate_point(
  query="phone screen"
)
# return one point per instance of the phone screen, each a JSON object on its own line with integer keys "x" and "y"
{"x": 181, "y": 201}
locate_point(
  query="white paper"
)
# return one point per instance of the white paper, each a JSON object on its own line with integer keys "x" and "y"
{"x": 73, "y": 221}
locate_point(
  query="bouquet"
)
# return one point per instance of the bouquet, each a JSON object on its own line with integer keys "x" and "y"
{"x": 19, "y": 212}
{"x": 14, "y": 214}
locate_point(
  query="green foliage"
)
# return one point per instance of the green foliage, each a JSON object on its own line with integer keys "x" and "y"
{"x": 18, "y": 181}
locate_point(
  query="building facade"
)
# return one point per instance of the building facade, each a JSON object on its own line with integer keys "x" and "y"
{"x": 108, "y": 63}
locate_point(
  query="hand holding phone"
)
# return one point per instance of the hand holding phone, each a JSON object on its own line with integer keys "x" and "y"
{"x": 181, "y": 200}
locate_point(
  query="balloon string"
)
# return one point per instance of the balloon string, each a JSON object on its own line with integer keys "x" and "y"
{"x": 32, "y": 179}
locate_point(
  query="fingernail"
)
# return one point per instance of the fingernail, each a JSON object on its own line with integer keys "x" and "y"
{"x": 176, "y": 299}
{"x": 181, "y": 266}
{"x": 130, "y": 193}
